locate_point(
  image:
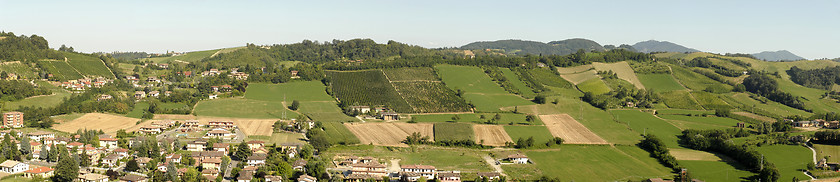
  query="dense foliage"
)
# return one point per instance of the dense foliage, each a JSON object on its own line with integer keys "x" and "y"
{"x": 719, "y": 141}
{"x": 766, "y": 86}
{"x": 620, "y": 96}
{"x": 12, "y": 90}
{"x": 524, "y": 47}
{"x": 23, "y": 48}
{"x": 658, "y": 150}
{"x": 822, "y": 78}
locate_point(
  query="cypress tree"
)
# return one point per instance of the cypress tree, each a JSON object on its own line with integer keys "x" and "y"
{"x": 66, "y": 169}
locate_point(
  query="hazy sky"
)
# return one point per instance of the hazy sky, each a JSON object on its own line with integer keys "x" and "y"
{"x": 808, "y": 28}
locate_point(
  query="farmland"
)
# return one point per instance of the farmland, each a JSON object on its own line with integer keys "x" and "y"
{"x": 540, "y": 133}
{"x": 716, "y": 170}
{"x": 575, "y": 69}
{"x": 60, "y": 69}
{"x": 567, "y": 128}
{"x": 256, "y": 126}
{"x": 492, "y": 135}
{"x": 431, "y": 97}
{"x": 680, "y": 99}
{"x": 19, "y": 69}
{"x": 44, "y": 101}
{"x": 410, "y": 74}
{"x": 479, "y": 89}
{"x": 506, "y": 118}
{"x": 789, "y": 159}
{"x": 642, "y": 122}
{"x": 660, "y": 82}
{"x": 300, "y": 91}
{"x": 549, "y": 78}
{"x": 517, "y": 83}
{"x": 699, "y": 122}
{"x": 597, "y": 163}
{"x": 578, "y": 78}
{"x": 388, "y": 134}
{"x": 596, "y": 120}
{"x": 186, "y": 57}
{"x": 696, "y": 81}
{"x": 744, "y": 100}
{"x": 594, "y": 86}
{"x": 242, "y": 108}
{"x": 459, "y": 159}
{"x": 97, "y": 121}
{"x": 138, "y": 111}
{"x": 710, "y": 101}
{"x": 622, "y": 70}
{"x": 368, "y": 88}
{"x": 281, "y": 138}
{"x": 87, "y": 65}
{"x": 338, "y": 134}
{"x": 453, "y": 131}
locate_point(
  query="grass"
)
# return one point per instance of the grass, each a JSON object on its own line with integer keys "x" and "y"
{"x": 242, "y": 108}
{"x": 699, "y": 122}
{"x": 824, "y": 150}
{"x": 300, "y": 91}
{"x": 40, "y": 101}
{"x": 517, "y": 83}
{"x": 696, "y": 81}
{"x": 87, "y": 65}
{"x": 61, "y": 70}
{"x": 458, "y": 159}
{"x": 576, "y": 69}
{"x": 660, "y": 82}
{"x": 789, "y": 159}
{"x": 597, "y": 163}
{"x": 431, "y": 97}
{"x": 682, "y": 111}
{"x": 453, "y": 131}
{"x": 410, "y": 74}
{"x": 599, "y": 121}
{"x": 337, "y": 133}
{"x": 745, "y": 101}
{"x": 540, "y": 133}
{"x": 680, "y": 99}
{"x": 324, "y": 111}
{"x": 172, "y": 105}
{"x": 622, "y": 70}
{"x": 479, "y": 89}
{"x": 641, "y": 122}
{"x": 368, "y": 88}
{"x": 710, "y": 101}
{"x": 281, "y": 138}
{"x": 594, "y": 86}
{"x": 716, "y": 170}
{"x": 21, "y": 70}
{"x": 138, "y": 110}
{"x": 549, "y": 78}
{"x": 475, "y": 118}
{"x": 578, "y": 78}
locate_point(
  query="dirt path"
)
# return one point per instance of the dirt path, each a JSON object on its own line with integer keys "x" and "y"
{"x": 492, "y": 162}
{"x": 395, "y": 166}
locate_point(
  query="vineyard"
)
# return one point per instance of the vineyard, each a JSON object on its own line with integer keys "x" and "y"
{"x": 430, "y": 97}
{"x": 88, "y": 65}
{"x": 410, "y": 74}
{"x": 60, "y": 70}
{"x": 369, "y": 88}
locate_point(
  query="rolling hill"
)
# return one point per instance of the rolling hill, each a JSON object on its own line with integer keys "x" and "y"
{"x": 781, "y": 55}
{"x": 524, "y": 47}
{"x": 661, "y": 46}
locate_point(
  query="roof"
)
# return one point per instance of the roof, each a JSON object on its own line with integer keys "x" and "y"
{"x": 306, "y": 178}
{"x": 39, "y": 133}
{"x": 108, "y": 139}
{"x": 360, "y": 176}
{"x": 132, "y": 177}
{"x": 121, "y": 150}
{"x": 246, "y": 175}
{"x": 412, "y": 166}
{"x": 212, "y": 160}
{"x": 9, "y": 163}
{"x": 93, "y": 177}
{"x": 13, "y": 112}
{"x": 143, "y": 160}
{"x": 489, "y": 174}
{"x": 256, "y": 157}
{"x": 446, "y": 175}
{"x": 39, "y": 170}
{"x": 517, "y": 156}
{"x": 370, "y": 165}
{"x": 299, "y": 162}
{"x": 220, "y": 145}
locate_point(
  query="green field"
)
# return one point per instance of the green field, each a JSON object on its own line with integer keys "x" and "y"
{"x": 507, "y": 118}
{"x": 453, "y": 131}
{"x": 458, "y": 159}
{"x": 599, "y": 121}
{"x": 540, "y": 133}
{"x": 517, "y": 83}
{"x": 242, "y": 108}
{"x": 716, "y": 171}
{"x": 138, "y": 111}
{"x": 172, "y": 105}
{"x": 829, "y": 151}
{"x": 300, "y": 91}
{"x": 23, "y": 71}
{"x": 186, "y": 57}
{"x": 281, "y": 138}
{"x": 597, "y": 163}
{"x": 642, "y": 122}
{"x": 549, "y": 78}
{"x": 87, "y": 65}
{"x": 696, "y": 81}
{"x": 410, "y": 74}
{"x": 60, "y": 70}
{"x": 710, "y": 101}
{"x": 680, "y": 99}
{"x": 743, "y": 100}
{"x": 682, "y": 111}
{"x": 431, "y": 97}
{"x": 368, "y": 88}
{"x": 338, "y": 134}
{"x": 789, "y": 159}
{"x": 594, "y": 86}
{"x": 660, "y": 82}
{"x": 479, "y": 89}
{"x": 44, "y": 101}
{"x": 700, "y": 122}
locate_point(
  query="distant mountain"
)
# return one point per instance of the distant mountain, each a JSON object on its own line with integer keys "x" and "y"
{"x": 523, "y": 47}
{"x": 781, "y": 55}
{"x": 661, "y": 46}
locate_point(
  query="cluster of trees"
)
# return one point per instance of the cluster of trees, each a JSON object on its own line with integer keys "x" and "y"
{"x": 719, "y": 141}
{"x": 81, "y": 103}
{"x": 417, "y": 139}
{"x": 705, "y": 62}
{"x": 658, "y": 150}
{"x": 12, "y": 90}
{"x": 26, "y": 49}
{"x": 496, "y": 75}
{"x": 623, "y": 94}
{"x": 649, "y": 67}
{"x": 831, "y": 137}
{"x": 766, "y": 86}
{"x": 530, "y": 143}
{"x": 821, "y": 78}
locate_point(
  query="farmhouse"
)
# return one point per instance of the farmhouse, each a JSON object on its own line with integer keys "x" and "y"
{"x": 13, "y": 167}
{"x": 389, "y": 116}
{"x": 221, "y": 124}
{"x": 154, "y": 93}
{"x": 42, "y": 172}
{"x": 489, "y": 175}
{"x": 420, "y": 170}
{"x": 13, "y": 119}
{"x": 361, "y": 109}
{"x": 518, "y": 158}
{"x": 449, "y": 177}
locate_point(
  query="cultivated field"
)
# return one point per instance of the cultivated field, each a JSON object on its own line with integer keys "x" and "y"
{"x": 597, "y": 163}
{"x": 791, "y": 160}
{"x": 337, "y": 133}
{"x": 517, "y": 83}
{"x": 576, "y": 69}
{"x": 87, "y": 65}
{"x": 567, "y": 128}
{"x": 594, "y": 86}
{"x": 696, "y": 81}
{"x": 256, "y": 127}
{"x": 368, "y": 88}
{"x": 60, "y": 69}
{"x": 431, "y": 97}
{"x": 680, "y": 99}
{"x": 549, "y": 78}
{"x": 300, "y": 91}
{"x": 44, "y": 101}
{"x": 506, "y": 118}
{"x": 699, "y": 122}
{"x": 99, "y": 121}
{"x": 660, "y": 82}
{"x": 710, "y": 101}
{"x": 242, "y": 108}
{"x": 755, "y": 116}
{"x": 388, "y": 134}
{"x": 716, "y": 170}
{"x": 539, "y": 133}
{"x": 577, "y": 78}
{"x": 622, "y": 70}
{"x": 410, "y": 74}
{"x": 18, "y": 68}
{"x": 492, "y": 135}
{"x": 642, "y": 123}
{"x": 479, "y": 89}
{"x": 454, "y": 132}
{"x": 694, "y": 155}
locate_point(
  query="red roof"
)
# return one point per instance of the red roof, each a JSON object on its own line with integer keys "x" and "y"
{"x": 75, "y": 144}
{"x": 108, "y": 139}
{"x": 255, "y": 142}
{"x": 39, "y": 170}
{"x": 121, "y": 150}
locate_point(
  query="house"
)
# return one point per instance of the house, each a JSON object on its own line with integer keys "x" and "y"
{"x": 122, "y": 152}
{"x": 306, "y": 178}
{"x": 239, "y": 75}
{"x": 104, "y": 97}
{"x": 221, "y": 124}
{"x": 294, "y": 73}
{"x": 151, "y": 129}
{"x": 13, "y": 167}
{"x": 373, "y": 168}
{"x": 154, "y": 94}
{"x": 270, "y": 178}
{"x": 489, "y": 175}
{"x": 196, "y": 145}
{"x": 220, "y": 133}
{"x": 163, "y": 66}
{"x": 164, "y": 124}
{"x": 110, "y": 143}
{"x": 214, "y": 88}
{"x": 361, "y": 109}
{"x": 93, "y": 177}
{"x": 256, "y": 160}
{"x": 176, "y": 158}
{"x": 142, "y": 161}
{"x": 132, "y": 178}
{"x": 449, "y": 177}
{"x": 152, "y": 79}
{"x": 518, "y": 158}
{"x": 353, "y": 177}
{"x": 226, "y": 88}
{"x": 802, "y": 124}
{"x": 221, "y": 147}
{"x": 255, "y": 144}
{"x": 299, "y": 164}
{"x": 42, "y": 172}
{"x": 212, "y": 173}
{"x": 833, "y": 124}
{"x": 12, "y": 119}
{"x": 389, "y": 116}
{"x": 421, "y": 170}
{"x": 40, "y": 135}
{"x": 211, "y": 163}
{"x": 111, "y": 160}
{"x": 245, "y": 176}
{"x": 139, "y": 95}
{"x": 192, "y": 123}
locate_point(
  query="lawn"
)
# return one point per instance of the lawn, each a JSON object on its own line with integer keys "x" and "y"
{"x": 138, "y": 111}
{"x": 716, "y": 171}
{"x": 642, "y": 122}
{"x": 87, "y": 65}
{"x": 594, "y": 86}
{"x": 789, "y": 159}
{"x": 680, "y": 99}
{"x": 540, "y": 133}
{"x": 700, "y": 122}
{"x": 410, "y": 74}
{"x": 337, "y": 133}
{"x": 493, "y": 103}
{"x": 300, "y": 91}
{"x": 517, "y": 83}
{"x": 44, "y": 101}
{"x": 597, "y": 163}
{"x": 242, "y": 108}
{"x": 660, "y": 82}
{"x": 507, "y": 118}
{"x": 479, "y": 89}
{"x": 453, "y": 131}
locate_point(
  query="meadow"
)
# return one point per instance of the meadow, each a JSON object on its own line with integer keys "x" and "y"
{"x": 138, "y": 110}
{"x": 696, "y": 81}
{"x": 549, "y": 78}
{"x": 598, "y": 121}
{"x": 540, "y": 133}
{"x": 301, "y": 91}
{"x": 517, "y": 83}
{"x": 368, "y": 88}
{"x": 642, "y": 123}
{"x": 700, "y": 122}
{"x": 44, "y": 101}
{"x": 242, "y": 108}
{"x": 710, "y": 101}
{"x": 594, "y": 86}
{"x": 716, "y": 170}
{"x": 186, "y": 57}
{"x": 660, "y": 82}
{"x": 453, "y": 131}
{"x": 337, "y": 133}
{"x": 597, "y": 163}
{"x": 479, "y": 89}
{"x": 789, "y": 159}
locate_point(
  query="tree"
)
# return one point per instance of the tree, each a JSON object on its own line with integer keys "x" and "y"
{"x": 84, "y": 159}
{"x": 44, "y": 155}
{"x": 456, "y": 118}
{"x": 25, "y": 147}
{"x": 242, "y": 151}
{"x": 132, "y": 166}
{"x": 539, "y": 99}
{"x": 531, "y": 118}
{"x": 66, "y": 169}
{"x": 295, "y": 105}
{"x": 171, "y": 172}
{"x": 316, "y": 169}
{"x": 318, "y": 139}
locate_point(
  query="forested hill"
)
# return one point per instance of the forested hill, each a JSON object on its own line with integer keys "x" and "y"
{"x": 23, "y": 48}
{"x": 661, "y": 46}
{"x": 782, "y": 55}
{"x": 524, "y": 47}
{"x": 322, "y": 52}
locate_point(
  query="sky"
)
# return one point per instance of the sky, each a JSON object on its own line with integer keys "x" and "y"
{"x": 810, "y": 29}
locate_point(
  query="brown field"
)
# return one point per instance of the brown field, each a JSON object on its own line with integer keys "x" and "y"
{"x": 755, "y": 116}
{"x": 492, "y": 135}
{"x": 388, "y": 134}
{"x": 622, "y": 70}
{"x": 577, "y": 78}
{"x": 576, "y": 69}
{"x": 246, "y": 125}
{"x": 99, "y": 121}
{"x": 693, "y": 155}
{"x": 567, "y": 128}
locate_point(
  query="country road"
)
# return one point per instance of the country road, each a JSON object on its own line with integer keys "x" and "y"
{"x": 492, "y": 163}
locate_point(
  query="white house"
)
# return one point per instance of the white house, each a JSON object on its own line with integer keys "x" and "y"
{"x": 256, "y": 160}
{"x": 13, "y": 167}
{"x": 110, "y": 143}
{"x": 220, "y": 133}
{"x": 40, "y": 135}
{"x": 518, "y": 158}
{"x": 422, "y": 170}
